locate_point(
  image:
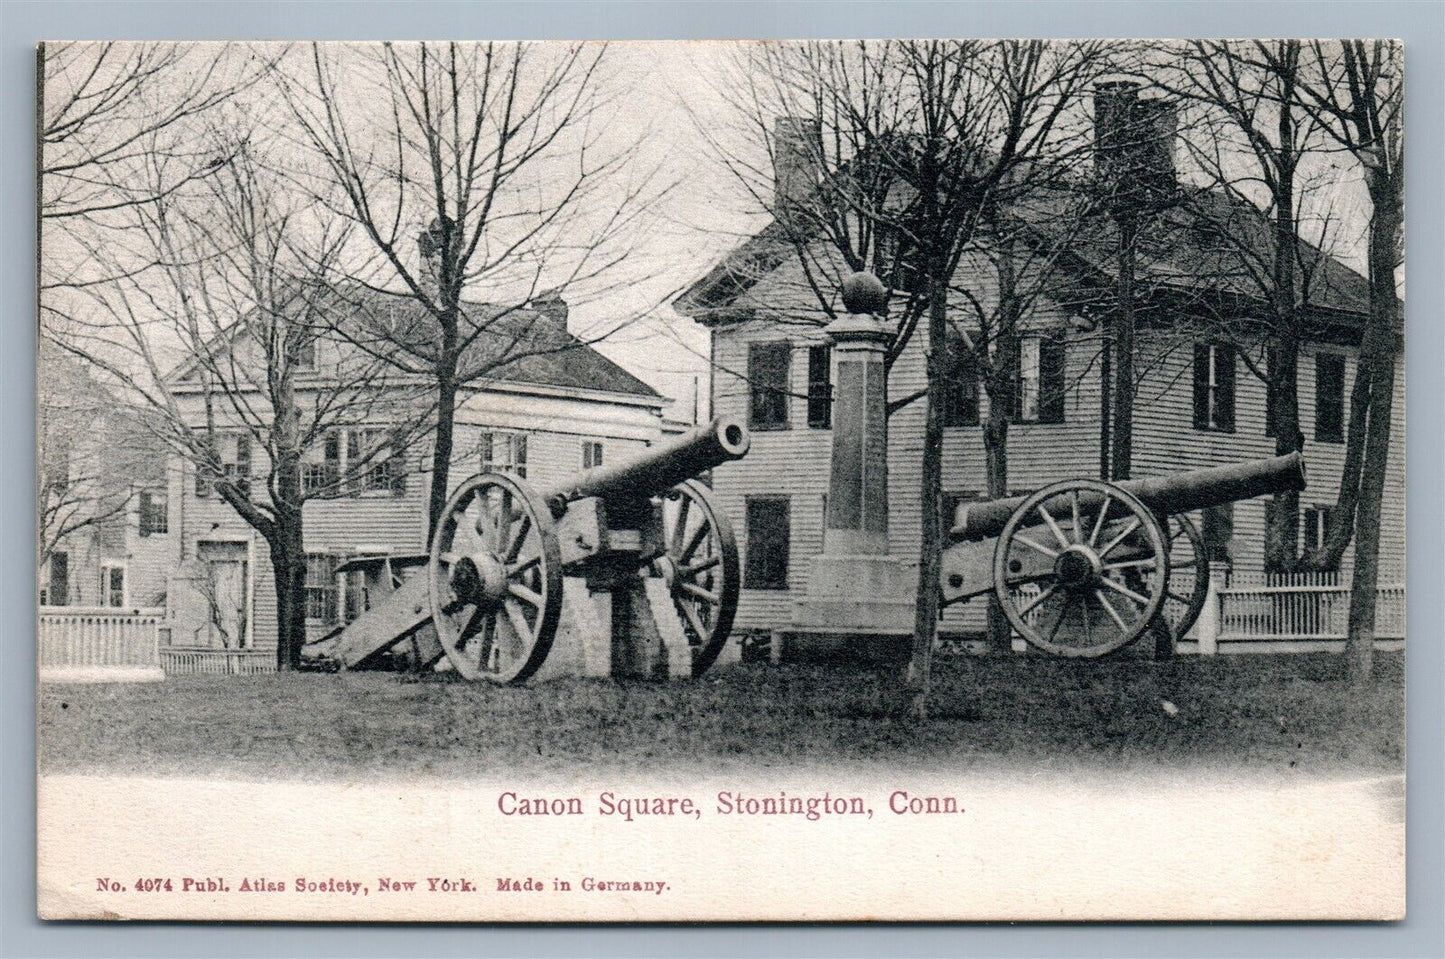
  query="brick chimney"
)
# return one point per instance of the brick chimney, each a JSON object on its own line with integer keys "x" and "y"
{"x": 1134, "y": 141}
{"x": 552, "y": 309}
{"x": 797, "y": 163}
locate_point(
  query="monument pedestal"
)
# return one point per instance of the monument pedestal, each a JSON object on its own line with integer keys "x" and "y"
{"x": 860, "y": 600}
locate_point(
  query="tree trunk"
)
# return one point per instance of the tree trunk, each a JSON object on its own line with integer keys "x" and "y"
{"x": 995, "y": 446}
{"x": 1122, "y": 434}
{"x": 1379, "y": 358}
{"x": 441, "y": 459}
{"x": 925, "y": 624}
{"x": 288, "y": 568}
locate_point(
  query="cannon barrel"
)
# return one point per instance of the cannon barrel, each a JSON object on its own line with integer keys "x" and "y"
{"x": 660, "y": 469}
{"x": 1171, "y": 493}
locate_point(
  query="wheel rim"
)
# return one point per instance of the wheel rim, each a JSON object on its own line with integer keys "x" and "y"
{"x": 495, "y": 579}
{"x": 1188, "y": 576}
{"x": 700, "y": 565}
{"x": 1081, "y": 568}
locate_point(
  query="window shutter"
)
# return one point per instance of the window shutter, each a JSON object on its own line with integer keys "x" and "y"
{"x": 960, "y": 390}
{"x": 355, "y": 482}
{"x": 519, "y": 455}
{"x": 1051, "y": 380}
{"x": 1224, "y": 387}
{"x": 820, "y": 393}
{"x": 396, "y": 475}
{"x": 59, "y": 579}
{"x": 1201, "y": 386}
{"x": 333, "y": 459}
{"x": 243, "y": 463}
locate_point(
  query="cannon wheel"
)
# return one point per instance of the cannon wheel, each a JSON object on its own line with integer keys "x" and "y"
{"x": 495, "y": 579}
{"x": 700, "y": 564}
{"x": 1188, "y": 576}
{"x": 1091, "y": 601}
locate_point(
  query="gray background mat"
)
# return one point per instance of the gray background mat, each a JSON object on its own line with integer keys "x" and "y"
{"x": 1421, "y": 25}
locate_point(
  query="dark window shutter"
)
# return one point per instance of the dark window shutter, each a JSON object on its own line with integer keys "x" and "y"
{"x": 820, "y": 388}
{"x": 356, "y": 481}
{"x": 1201, "y": 386}
{"x": 396, "y": 475}
{"x": 59, "y": 579}
{"x": 1015, "y": 378}
{"x": 333, "y": 459}
{"x": 1224, "y": 387}
{"x": 768, "y": 384}
{"x": 1051, "y": 380}
{"x": 519, "y": 455}
{"x": 767, "y": 543}
{"x": 1329, "y": 398}
{"x": 960, "y": 389}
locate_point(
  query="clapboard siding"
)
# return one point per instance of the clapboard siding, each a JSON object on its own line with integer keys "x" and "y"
{"x": 795, "y": 461}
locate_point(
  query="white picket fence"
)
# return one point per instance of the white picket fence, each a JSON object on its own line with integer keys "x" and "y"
{"x": 1303, "y": 612}
{"x": 213, "y": 661}
{"x": 99, "y": 643}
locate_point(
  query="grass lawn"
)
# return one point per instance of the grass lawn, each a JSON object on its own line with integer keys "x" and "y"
{"x": 1287, "y": 715}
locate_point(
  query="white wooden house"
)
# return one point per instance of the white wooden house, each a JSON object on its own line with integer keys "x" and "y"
{"x": 544, "y": 415}
{"x": 1197, "y": 403}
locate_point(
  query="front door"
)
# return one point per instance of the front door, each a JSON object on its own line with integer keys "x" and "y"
{"x": 226, "y": 593}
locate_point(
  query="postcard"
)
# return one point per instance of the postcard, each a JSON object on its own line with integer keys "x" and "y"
{"x": 721, "y": 481}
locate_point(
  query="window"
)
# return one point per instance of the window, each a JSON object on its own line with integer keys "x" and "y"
{"x": 1214, "y": 387}
{"x": 896, "y": 261}
{"x": 55, "y": 461}
{"x": 820, "y": 388}
{"x": 767, "y": 535}
{"x": 153, "y": 518}
{"x": 321, "y": 466}
{"x": 374, "y": 462}
{"x": 960, "y": 385}
{"x": 1039, "y": 383}
{"x": 591, "y": 454}
{"x": 507, "y": 453}
{"x": 233, "y": 451}
{"x": 112, "y": 584}
{"x": 58, "y": 592}
{"x": 1217, "y": 531}
{"x": 321, "y": 588}
{"x": 1329, "y": 398}
{"x": 1317, "y": 525}
{"x": 305, "y": 356}
{"x": 768, "y": 372}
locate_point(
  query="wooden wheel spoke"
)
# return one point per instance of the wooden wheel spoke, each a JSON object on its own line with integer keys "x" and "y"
{"x": 690, "y": 613}
{"x": 1053, "y": 527}
{"x": 692, "y": 589}
{"x": 1033, "y": 603}
{"x": 1109, "y": 608}
{"x": 1149, "y": 561}
{"x": 1134, "y": 524}
{"x": 694, "y": 541}
{"x": 1074, "y": 510}
{"x": 519, "y": 622}
{"x": 1099, "y": 523}
{"x": 488, "y": 643}
{"x": 1063, "y": 611}
{"x": 1021, "y": 538}
{"x": 519, "y": 538}
{"x": 680, "y": 529}
{"x": 1124, "y": 591}
{"x": 515, "y": 569}
{"x": 529, "y": 596}
{"x": 701, "y": 566}
{"x": 1088, "y": 625}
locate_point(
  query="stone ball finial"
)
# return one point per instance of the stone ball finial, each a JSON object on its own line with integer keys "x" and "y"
{"x": 864, "y": 293}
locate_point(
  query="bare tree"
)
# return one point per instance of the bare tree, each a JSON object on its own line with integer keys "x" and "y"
{"x": 474, "y": 170}
{"x": 1258, "y": 145}
{"x": 1355, "y": 89}
{"x": 915, "y": 155}
{"x": 212, "y": 319}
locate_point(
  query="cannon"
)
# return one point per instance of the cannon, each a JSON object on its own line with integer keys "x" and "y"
{"x": 1082, "y": 568}
{"x": 632, "y": 563}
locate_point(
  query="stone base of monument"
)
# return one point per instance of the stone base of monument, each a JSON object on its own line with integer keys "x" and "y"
{"x": 857, "y": 608}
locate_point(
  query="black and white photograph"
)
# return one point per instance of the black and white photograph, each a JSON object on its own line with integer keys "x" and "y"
{"x": 913, "y": 479}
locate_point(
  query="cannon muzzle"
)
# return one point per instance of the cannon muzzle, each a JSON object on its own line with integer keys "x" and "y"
{"x": 658, "y": 470}
{"x": 1171, "y": 493}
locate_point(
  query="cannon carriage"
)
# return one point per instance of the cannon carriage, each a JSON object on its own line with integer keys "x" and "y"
{"x": 632, "y": 565}
{"x": 1082, "y": 568}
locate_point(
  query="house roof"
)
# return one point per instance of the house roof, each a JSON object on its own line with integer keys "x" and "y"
{"x": 1196, "y": 246}
{"x": 524, "y": 346}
